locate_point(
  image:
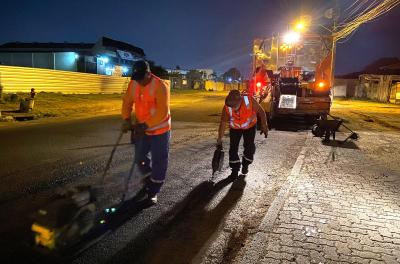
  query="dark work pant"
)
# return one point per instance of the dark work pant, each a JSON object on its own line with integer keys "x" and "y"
{"x": 248, "y": 144}
{"x": 156, "y": 147}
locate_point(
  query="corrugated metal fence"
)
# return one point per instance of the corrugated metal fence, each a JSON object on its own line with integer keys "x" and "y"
{"x": 220, "y": 86}
{"x": 22, "y": 79}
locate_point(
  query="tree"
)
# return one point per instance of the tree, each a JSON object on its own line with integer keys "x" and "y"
{"x": 233, "y": 74}
{"x": 177, "y": 67}
{"x": 194, "y": 75}
{"x": 158, "y": 70}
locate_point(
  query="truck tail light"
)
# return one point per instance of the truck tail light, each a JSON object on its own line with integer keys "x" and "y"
{"x": 321, "y": 85}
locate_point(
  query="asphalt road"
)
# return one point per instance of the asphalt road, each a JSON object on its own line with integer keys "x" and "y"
{"x": 38, "y": 161}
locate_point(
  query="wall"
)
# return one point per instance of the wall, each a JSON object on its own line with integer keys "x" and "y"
{"x": 344, "y": 87}
{"x": 395, "y": 93}
{"x": 178, "y": 83}
{"x": 214, "y": 86}
{"x": 22, "y": 79}
{"x": 65, "y": 61}
{"x": 376, "y": 87}
{"x": 220, "y": 86}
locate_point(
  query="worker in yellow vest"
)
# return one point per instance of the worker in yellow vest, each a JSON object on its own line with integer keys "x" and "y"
{"x": 151, "y": 97}
{"x": 241, "y": 112}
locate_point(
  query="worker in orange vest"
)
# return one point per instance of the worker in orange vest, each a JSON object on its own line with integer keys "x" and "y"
{"x": 258, "y": 85}
{"x": 151, "y": 97}
{"x": 241, "y": 112}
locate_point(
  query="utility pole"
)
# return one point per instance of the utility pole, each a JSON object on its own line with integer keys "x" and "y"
{"x": 335, "y": 19}
{"x": 277, "y": 51}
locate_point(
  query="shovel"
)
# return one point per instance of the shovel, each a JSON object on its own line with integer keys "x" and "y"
{"x": 217, "y": 160}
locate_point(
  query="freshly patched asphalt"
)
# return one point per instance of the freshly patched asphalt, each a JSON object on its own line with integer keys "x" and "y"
{"x": 40, "y": 160}
{"x": 304, "y": 201}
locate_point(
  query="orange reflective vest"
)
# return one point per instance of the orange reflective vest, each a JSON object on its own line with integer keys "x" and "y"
{"x": 147, "y": 102}
{"x": 243, "y": 118}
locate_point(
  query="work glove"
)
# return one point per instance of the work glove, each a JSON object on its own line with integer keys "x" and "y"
{"x": 264, "y": 130}
{"x": 140, "y": 129}
{"x": 126, "y": 126}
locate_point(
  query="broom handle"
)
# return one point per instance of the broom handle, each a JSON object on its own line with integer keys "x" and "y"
{"x": 111, "y": 158}
{"x": 129, "y": 176}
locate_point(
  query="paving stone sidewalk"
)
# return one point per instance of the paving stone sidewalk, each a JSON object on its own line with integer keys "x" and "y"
{"x": 343, "y": 207}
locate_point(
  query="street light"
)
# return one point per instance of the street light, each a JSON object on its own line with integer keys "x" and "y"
{"x": 291, "y": 38}
{"x": 303, "y": 23}
{"x": 300, "y": 26}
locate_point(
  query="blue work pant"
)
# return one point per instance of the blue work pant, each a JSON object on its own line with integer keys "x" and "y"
{"x": 152, "y": 157}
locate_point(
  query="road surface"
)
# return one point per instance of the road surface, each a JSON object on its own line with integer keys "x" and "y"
{"x": 250, "y": 220}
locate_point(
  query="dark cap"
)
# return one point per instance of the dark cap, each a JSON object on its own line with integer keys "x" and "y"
{"x": 233, "y": 98}
{"x": 139, "y": 70}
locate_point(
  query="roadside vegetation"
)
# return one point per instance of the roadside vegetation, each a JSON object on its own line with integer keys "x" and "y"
{"x": 186, "y": 105}
{"x": 190, "y": 106}
{"x": 366, "y": 114}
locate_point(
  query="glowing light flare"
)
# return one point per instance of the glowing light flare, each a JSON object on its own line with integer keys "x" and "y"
{"x": 300, "y": 26}
{"x": 291, "y": 38}
{"x": 321, "y": 85}
{"x": 258, "y": 84}
{"x": 104, "y": 59}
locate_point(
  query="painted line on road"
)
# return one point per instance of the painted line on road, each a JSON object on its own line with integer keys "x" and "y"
{"x": 255, "y": 247}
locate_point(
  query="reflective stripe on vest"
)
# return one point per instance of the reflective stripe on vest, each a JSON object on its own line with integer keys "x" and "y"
{"x": 151, "y": 91}
{"x": 163, "y": 124}
{"x": 246, "y": 101}
{"x": 250, "y": 120}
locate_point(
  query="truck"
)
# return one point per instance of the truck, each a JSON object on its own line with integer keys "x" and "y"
{"x": 296, "y": 73}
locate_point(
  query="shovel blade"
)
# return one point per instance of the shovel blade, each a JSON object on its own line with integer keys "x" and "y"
{"x": 217, "y": 160}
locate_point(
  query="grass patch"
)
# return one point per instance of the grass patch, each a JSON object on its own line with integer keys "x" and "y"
{"x": 367, "y": 114}
{"x": 186, "y": 105}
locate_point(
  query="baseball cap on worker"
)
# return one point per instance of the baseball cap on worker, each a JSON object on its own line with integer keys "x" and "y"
{"x": 233, "y": 99}
{"x": 139, "y": 70}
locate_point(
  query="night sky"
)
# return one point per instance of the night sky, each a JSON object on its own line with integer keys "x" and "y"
{"x": 213, "y": 34}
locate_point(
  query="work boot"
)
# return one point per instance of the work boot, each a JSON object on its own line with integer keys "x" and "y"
{"x": 234, "y": 175}
{"x": 152, "y": 198}
{"x": 245, "y": 169}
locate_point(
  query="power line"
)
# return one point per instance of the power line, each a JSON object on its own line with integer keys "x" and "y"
{"x": 373, "y": 11}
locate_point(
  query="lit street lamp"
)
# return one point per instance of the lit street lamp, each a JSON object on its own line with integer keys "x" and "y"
{"x": 291, "y": 38}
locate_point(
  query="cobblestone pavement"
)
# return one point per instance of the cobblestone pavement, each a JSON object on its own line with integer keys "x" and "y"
{"x": 341, "y": 206}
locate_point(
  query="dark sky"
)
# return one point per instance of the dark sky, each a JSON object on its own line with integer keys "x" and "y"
{"x": 213, "y": 34}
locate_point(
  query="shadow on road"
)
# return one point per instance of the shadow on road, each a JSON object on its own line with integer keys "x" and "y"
{"x": 19, "y": 247}
{"x": 293, "y": 124}
{"x": 101, "y": 146}
{"x": 178, "y": 235}
{"x": 341, "y": 144}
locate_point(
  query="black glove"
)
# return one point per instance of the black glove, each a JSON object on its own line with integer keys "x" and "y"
{"x": 126, "y": 126}
{"x": 264, "y": 131}
{"x": 140, "y": 129}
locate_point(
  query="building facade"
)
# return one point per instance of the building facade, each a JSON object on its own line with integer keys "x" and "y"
{"x": 106, "y": 56}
